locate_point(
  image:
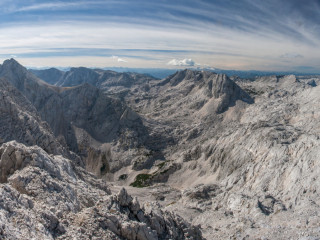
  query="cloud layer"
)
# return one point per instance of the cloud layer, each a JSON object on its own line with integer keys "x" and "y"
{"x": 269, "y": 35}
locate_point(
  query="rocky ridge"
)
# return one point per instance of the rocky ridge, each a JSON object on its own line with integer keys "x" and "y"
{"x": 109, "y": 81}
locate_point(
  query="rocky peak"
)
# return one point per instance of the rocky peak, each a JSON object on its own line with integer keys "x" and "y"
{"x": 13, "y": 70}
{"x": 216, "y": 92}
{"x": 185, "y": 75}
{"x": 18, "y": 75}
{"x": 11, "y": 63}
{"x": 82, "y": 70}
{"x": 223, "y": 85}
{"x": 77, "y": 76}
{"x": 221, "y": 89}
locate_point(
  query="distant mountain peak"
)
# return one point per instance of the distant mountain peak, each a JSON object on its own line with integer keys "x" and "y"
{"x": 11, "y": 61}
{"x": 12, "y": 64}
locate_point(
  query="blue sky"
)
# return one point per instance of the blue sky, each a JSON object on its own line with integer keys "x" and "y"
{"x": 277, "y": 35}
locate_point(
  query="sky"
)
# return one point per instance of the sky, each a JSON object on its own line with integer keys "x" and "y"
{"x": 268, "y": 35}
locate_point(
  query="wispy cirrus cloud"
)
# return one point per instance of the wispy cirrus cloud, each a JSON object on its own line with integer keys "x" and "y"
{"x": 43, "y": 6}
{"x": 55, "y": 5}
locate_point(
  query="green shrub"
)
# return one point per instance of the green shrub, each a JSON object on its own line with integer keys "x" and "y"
{"x": 141, "y": 180}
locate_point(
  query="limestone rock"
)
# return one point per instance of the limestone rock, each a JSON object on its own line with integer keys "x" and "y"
{"x": 20, "y": 121}
{"x": 83, "y": 117}
{"x": 48, "y": 197}
{"x": 109, "y": 81}
{"x": 239, "y": 158}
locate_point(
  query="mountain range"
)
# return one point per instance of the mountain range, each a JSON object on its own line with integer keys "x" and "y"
{"x": 91, "y": 153}
{"x": 161, "y": 73}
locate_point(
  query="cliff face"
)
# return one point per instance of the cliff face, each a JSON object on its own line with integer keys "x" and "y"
{"x": 20, "y": 121}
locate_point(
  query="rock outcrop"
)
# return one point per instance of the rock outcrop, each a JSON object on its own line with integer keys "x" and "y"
{"x": 48, "y": 197}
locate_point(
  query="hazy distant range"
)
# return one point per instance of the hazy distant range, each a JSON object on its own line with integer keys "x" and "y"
{"x": 163, "y": 72}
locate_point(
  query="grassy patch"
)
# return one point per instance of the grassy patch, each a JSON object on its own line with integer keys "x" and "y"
{"x": 141, "y": 180}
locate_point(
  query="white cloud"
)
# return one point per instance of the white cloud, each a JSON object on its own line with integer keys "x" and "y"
{"x": 119, "y": 59}
{"x": 182, "y": 62}
{"x": 122, "y": 60}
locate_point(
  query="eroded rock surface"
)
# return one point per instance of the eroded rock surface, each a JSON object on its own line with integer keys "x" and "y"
{"x": 19, "y": 120}
{"x": 48, "y": 197}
